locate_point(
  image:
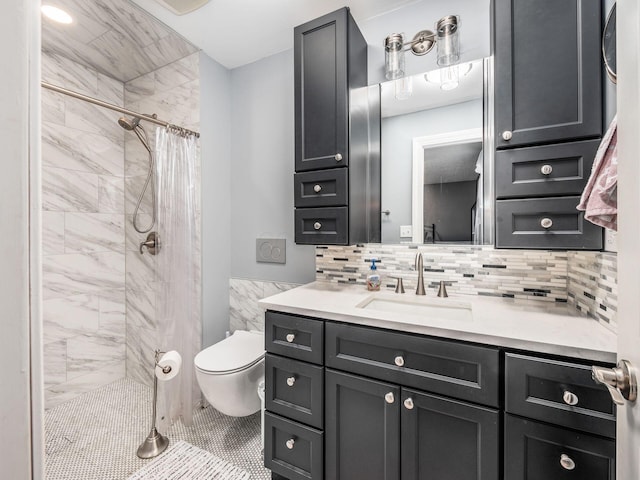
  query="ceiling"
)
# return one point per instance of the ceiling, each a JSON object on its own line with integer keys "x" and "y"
{"x": 115, "y": 37}
{"x": 238, "y": 32}
{"x": 451, "y": 163}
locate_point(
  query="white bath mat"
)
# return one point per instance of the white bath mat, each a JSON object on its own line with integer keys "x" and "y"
{"x": 183, "y": 461}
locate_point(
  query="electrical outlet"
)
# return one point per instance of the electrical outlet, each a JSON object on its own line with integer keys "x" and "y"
{"x": 406, "y": 231}
{"x": 271, "y": 250}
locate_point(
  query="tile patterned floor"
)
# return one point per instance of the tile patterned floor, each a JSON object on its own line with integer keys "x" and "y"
{"x": 95, "y": 436}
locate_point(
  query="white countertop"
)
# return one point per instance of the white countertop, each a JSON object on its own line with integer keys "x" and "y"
{"x": 538, "y": 326}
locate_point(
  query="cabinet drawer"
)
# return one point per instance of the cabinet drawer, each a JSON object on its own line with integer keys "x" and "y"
{"x": 294, "y": 337}
{"x": 537, "y": 451}
{"x": 293, "y": 450}
{"x": 322, "y": 226}
{"x": 519, "y": 224}
{"x": 560, "y": 393}
{"x": 323, "y": 188}
{"x": 544, "y": 170}
{"x": 456, "y": 370}
{"x": 295, "y": 389}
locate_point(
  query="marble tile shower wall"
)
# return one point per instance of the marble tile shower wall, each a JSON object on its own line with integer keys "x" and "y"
{"x": 173, "y": 93}
{"x": 83, "y": 233}
{"x": 245, "y": 314}
{"x": 585, "y": 280}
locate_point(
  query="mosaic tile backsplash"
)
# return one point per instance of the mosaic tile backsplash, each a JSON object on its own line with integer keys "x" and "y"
{"x": 585, "y": 280}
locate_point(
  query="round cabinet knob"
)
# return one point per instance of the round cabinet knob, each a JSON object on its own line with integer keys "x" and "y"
{"x": 567, "y": 462}
{"x": 399, "y": 361}
{"x": 317, "y": 188}
{"x": 570, "y": 398}
{"x": 317, "y": 225}
{"x": 338, "y": 157}
{"x": 408, "y": 404}
{"x": 507, "y": 135}
{"x": 546, "y": 223}
{"x": 389, "y": 398}
{"x": 290, "y": 443}
{"x": 291, "y": 337}
{"x": 546, "y": 169}
{"x": 291, "y": 381}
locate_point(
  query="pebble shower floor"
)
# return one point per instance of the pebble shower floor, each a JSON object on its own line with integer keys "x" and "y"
{"x": 95, "y": 436}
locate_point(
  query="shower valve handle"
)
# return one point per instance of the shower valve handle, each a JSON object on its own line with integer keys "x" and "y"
{"x": 151, "y": 243}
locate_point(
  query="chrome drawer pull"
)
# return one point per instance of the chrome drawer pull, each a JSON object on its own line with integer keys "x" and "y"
{"x": 567, "y": 462}
{"x": 546, "y": 223}
{"x": 291, "y": 337}
{"x": 317, "y": 188}
{"x": 507, "y": 135}
{"x": 408, "y": 404}
{"x": 291, "y": 381}
{"x": 570, "y": 398}
{"x": 317, "y": 225}
{"x": 389, "y": 398}
{"x": 290, "y": 443}
{"x": 399, "y": 361}
{"x": 546, "y": 169}
{"x": 338, "y": 157}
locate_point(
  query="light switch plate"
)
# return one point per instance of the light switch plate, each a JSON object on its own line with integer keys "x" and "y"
{"x": 271, "y": 250}
{"x": 406, "y": 231}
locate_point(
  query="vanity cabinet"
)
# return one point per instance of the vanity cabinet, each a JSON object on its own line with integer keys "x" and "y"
{"x": 547, "y": 71}
{"x": 388, "y": 405}
{"x": 548, "y": 121}
{"x": 337, "y": 180}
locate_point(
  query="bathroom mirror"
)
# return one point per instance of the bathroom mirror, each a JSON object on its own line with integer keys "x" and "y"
{"x": 436, "y": 165}
{"x": 609, "y": 45}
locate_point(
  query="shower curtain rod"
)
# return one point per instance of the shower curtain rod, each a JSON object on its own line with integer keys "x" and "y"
{"x": 111, "y": 106}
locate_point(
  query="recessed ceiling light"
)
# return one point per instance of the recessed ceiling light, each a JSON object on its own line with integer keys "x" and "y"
{"x": 56, "y": 14}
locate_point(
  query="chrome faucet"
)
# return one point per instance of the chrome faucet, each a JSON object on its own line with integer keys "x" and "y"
{"x": 420, "y": 268}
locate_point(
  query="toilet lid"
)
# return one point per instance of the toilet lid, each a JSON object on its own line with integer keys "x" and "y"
{"x": 240, "y": 350}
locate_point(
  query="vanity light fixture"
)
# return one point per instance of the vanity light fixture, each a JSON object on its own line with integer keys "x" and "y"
{"x": 447, "y": 39}
{"x": 56, "y": 14}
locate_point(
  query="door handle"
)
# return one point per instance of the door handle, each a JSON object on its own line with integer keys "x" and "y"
{"x": 620, "y": 381}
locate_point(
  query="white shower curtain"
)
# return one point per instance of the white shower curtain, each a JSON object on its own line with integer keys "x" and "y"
{"x": 177, "y": 271}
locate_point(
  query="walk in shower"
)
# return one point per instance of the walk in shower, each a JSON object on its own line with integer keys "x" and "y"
{"x": 106, "y": 306}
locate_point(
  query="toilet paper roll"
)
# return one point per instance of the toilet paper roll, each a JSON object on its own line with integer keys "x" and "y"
{"x": 171, "y": 359}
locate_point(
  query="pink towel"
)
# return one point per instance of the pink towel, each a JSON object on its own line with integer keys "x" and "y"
{"x": 600, "y": 197}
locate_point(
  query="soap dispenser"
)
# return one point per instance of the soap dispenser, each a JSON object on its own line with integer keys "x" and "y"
{"x": 373, "y": 279}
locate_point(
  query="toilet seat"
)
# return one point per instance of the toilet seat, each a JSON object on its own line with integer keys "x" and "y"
{"x": 233, "y": 354}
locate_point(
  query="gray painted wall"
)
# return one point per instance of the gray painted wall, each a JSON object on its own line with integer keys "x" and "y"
{"x": 215, "y": 113}
{"x": 397, "y": 136}
{"x": 262, "y": 166}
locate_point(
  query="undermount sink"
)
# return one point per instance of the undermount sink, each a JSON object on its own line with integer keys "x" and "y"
{"x": 434, "y": 308}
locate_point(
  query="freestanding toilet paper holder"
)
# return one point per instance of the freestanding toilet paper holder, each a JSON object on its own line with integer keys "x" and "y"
{"x": 155, "y": 443}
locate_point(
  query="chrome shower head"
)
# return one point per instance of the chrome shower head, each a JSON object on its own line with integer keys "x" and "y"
{"x": 128, "y": 124}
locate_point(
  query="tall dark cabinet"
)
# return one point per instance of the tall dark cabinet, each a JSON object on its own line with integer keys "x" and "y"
{"x": 548, "y": 120}
{"x": 337, "y": 180}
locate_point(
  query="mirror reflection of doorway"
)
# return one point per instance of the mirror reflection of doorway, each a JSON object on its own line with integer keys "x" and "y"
{"x": 452, "y": 186}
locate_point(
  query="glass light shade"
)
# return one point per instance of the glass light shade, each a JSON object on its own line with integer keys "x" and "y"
{"x": 394, "y": 56}
{"x": 403, "y": 88}
{"x": 449, "y": 77}
{"x": 448, "y": 41}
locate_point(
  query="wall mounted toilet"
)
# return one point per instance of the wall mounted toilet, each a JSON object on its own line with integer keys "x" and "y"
{"x": 230, "y": 371}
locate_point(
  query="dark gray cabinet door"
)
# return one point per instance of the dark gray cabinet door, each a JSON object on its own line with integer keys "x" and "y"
{"x": 444, "y": 439}
{"x": 547, "y": 71}
{"x": 362, "y": 428}
{"x": 535, "y": 451}
{"x": 321, "y": 92}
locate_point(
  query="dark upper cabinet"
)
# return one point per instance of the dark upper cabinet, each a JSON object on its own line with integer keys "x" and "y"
{"x": 547, "y": 71}
{"x": 336, "y": 116}
{"x": 330, "y": 60}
